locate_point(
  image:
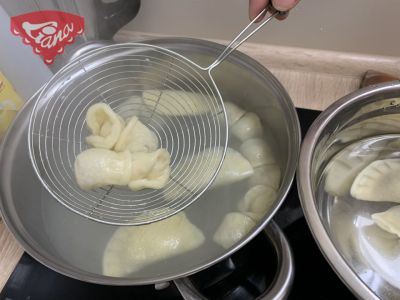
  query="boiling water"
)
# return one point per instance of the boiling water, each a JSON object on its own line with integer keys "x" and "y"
{"x": 348, "y": 220}
{"x": 81, "y": 242}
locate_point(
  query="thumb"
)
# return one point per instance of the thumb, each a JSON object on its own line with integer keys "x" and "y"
{"x": 284, "y": 5}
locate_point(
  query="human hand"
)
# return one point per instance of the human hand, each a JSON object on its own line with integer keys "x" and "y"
{"x": 256, "y": 6}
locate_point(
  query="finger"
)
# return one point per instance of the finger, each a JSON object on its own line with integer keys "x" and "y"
{"x": 284, "y": 5}
{"x": 279, "y": 15}
{"x": 255, "y": 7}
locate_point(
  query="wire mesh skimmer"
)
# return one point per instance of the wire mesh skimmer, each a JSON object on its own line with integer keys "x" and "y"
{"x": 122, "y": 76}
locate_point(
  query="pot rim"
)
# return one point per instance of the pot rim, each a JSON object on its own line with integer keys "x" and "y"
{"x": 304, "y": 185}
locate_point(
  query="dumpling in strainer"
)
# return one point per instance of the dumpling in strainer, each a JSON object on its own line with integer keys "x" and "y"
{"x": 105, "y": 126}
{"x": 136, "y": 137}
{"x": 95, "y": 168}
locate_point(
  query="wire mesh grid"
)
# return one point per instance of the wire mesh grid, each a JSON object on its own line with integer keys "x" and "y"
{"x": 131, "y": 78}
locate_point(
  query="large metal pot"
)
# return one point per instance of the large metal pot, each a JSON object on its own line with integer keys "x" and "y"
{"x": 73, "y": 245}
{"x": 335, "y": 222}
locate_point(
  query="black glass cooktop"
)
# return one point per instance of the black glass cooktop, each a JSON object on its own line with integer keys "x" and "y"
{"x": 242, "y": 276}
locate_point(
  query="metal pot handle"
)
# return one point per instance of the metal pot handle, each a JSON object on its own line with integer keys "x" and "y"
{"x": 283, "y": 280}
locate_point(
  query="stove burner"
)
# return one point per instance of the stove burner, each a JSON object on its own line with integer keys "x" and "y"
{"x": 247, "y": 274}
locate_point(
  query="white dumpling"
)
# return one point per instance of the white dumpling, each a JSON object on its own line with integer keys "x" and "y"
{"x": 131, "y": 248}
{"x": 192, "y": 173}
{"x": 233, "y": 113}
{"x": 268, "y": 175}
{"x": 132, "y": 106}
{"x": 379, "y": 181}
{"x": 232, "y": 229}
{"x": 371, "y": 127}
{"x": 258, "y": 152}
{"x": 389, "y": 220}
{"x": 234, "y": 168}
{"x": 136, "y": 137}
{"x": 257, "y": 201}
{"x": 343, "y": 169}
{"x": 175, "y": 103}
{"x": 387, "y": 244}
{"x": 105, "y": 126}
{"x": 101, "y": 167}
{"x": 353, "y": 134}
{"x": 150, "y": 170}
{"x": 247, "y": 127}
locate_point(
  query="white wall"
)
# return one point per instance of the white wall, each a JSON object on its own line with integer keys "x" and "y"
{"x": 364, "y": 26}
{"x": 25, "y": 70}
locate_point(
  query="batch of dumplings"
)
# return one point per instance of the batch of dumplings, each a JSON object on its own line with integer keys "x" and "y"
{"x": 369, "y": 170}
{"x": 123, "y": 153}
{"x": 128, "y": 153}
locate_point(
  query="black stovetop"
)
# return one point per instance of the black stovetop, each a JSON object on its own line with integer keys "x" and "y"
{"x": 241, "y": 273}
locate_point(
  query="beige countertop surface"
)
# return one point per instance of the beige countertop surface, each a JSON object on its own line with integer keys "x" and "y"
{"x": 313, "y": 78}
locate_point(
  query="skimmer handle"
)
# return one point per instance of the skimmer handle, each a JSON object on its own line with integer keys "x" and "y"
{"x": 244, "y": 35}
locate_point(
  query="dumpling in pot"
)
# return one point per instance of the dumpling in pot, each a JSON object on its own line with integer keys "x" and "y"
{"x": 234, "y": 168}
{"x": 131, "y": 248}
{"x": 232, "y": 229}
{"x": 258, "y": 152}
{"x": 150, "y": 170}
{"x": 136, "y": 137}
{"x": 247, "y": 127}
{"x": 268, "y": 175}
{"x": 105, "y": 126}
{"x": 233, "y": 112}
{"x": 389, "y": 220}
{"x": 132, "y": 106}
{"x": 175, "y": 103}
{"x": 101, "y": 167}
{"x": 257, "y": 201}
{"x": 343, "y": 169}
{"x": 379, "y": 181}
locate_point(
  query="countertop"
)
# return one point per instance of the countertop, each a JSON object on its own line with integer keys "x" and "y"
{"x": 313, "y": 78}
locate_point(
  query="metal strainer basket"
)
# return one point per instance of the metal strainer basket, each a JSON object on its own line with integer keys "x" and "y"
{"x": 195, "y": 135}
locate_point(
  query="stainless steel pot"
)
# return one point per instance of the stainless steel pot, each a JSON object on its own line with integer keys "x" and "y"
{"x": 73, "y": 245}
{"x": 335, "y": 223}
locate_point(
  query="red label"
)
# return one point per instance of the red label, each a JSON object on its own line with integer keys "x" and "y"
{"x": 48, "y": 32}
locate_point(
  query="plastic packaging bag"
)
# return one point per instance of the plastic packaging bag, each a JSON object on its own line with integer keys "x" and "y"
{"x": 10, "y": 103}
